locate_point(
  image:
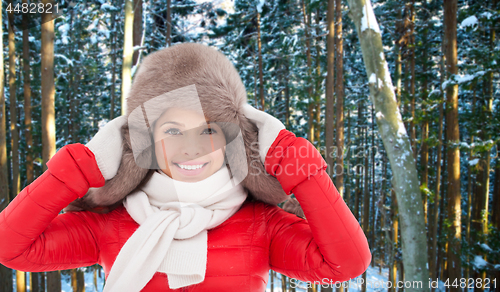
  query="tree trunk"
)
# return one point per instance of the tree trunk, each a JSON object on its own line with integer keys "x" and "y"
{"x": 424, "y": 156}
{"x": 113, "y": 67}
{"x": 287, "y": 96}
{"x": 14, "y": 131}
{"x": 48, "y": 88}
{"x": 453, "y": 137}
{"x": 27, "y": 101}
{"x": 34, "y": 285}
{"x": 272, "y": 280}
{"x": 468, "y": 205}
{"x": 439, "y": 201}
{"x": 6, "y": 283}
{"x": 330, "y": 56}
{"x": 169, "y": 23}
{"x": 495, "y": 217}
{"x": 318, "y": 79}
{"x": 35, "y": 282}
{"x": 495, "y": 220}
{"x": 95, "y": 267}
{"x": 69, "y": 126}
{"x": 128, "y": 51}
{"x": 77, "y": 280}
{"x": 42, "y": 281}
{"x": 48, "y": 113}
{"x": 283, "y": 283}
{"x": 397, "y": 53}
{"x": 137, "y": 34}
{"x": 393, "y": 269}
{"x": 413, "y": 135}
{"x": 358, "y": 161}
{"x": 373, "y": 188}
{"x": 339, "y": 93}
{"x": 80, "y": 281}
{"x": 261, "y": 69}
{"x": 20, "y": 281}
{"x": 397, "y": 145}
{"x": 443, "y": 250}
{"x": 383, "y": 217}
{"x": 310, "y": 124}
{"x": 255, "y": 95}
{"x": 435, "y": 214}
{"x": 484, "y": 163}
{"x": 347, "y": 192}
{"x": 366, "y": 199}
{"x": 73, "y": 280}
{"x": 54, "y": 281}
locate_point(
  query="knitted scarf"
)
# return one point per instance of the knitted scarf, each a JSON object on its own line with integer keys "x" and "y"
{"x": 174, "y": 217}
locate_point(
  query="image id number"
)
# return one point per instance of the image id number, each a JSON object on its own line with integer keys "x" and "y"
{"x": 33, "y": 8}
{"x": 471, "y": 283}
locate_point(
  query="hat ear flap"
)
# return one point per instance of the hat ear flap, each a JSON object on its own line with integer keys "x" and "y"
{"x": 128, "y": 177}
{"x": 261, "y": 185}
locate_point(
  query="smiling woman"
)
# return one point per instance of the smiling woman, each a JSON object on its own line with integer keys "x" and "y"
{"x": 192, "y": 192}
{"x": 187, "y": 147}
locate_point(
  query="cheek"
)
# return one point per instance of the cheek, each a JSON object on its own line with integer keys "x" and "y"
{"x": 217, "y": 157}
{"x": 219, "y": 144}
{"x": 163, "y": 153}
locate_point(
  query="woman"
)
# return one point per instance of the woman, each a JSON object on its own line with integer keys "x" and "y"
{"x": 164, "y": 224}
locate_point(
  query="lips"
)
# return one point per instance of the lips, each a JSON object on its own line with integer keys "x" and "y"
{"x": 190, "y": 162}
{"x": 190, "y": 172}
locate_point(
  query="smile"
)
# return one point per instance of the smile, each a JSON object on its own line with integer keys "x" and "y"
{"x": 190, "y": 167}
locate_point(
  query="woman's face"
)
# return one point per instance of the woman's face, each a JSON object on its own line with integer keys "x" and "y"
{"x": 187, "y": 147}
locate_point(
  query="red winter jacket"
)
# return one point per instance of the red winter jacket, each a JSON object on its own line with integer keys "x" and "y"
{"x": 329, "y": 246}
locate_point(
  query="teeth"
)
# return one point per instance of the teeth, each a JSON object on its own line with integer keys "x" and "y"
{"x": 190, "y": 167}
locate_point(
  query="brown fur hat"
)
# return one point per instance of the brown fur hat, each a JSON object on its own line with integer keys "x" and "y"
{"x": 221, "y": 94}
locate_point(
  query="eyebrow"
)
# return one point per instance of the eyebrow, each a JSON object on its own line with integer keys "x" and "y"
{"x": 182, "y": 125}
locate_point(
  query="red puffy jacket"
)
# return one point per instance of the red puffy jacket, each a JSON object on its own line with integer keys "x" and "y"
{"x": 329, "y": 246}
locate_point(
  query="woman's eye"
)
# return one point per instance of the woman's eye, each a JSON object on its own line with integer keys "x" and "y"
{"x": 172, "y": 131}
{"x": 210, "y": 131}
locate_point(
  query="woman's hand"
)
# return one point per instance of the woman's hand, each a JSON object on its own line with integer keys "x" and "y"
{"x": 107, "y": 147}
{"x": 269, "y": 128}
{"x": 289, "y": 158}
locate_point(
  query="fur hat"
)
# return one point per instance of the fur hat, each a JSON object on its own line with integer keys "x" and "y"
{"x": 221, "y": 94}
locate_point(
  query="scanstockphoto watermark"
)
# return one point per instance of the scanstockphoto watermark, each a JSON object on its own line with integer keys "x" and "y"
{"x": 307, "y": 151}
{"x": 356, "y": 283}
{"x": 356, "y": 151}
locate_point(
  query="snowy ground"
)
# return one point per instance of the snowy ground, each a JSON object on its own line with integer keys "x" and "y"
{"x": 376, "y": 282}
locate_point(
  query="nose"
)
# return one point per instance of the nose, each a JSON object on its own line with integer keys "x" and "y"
{"x": 193, "y": 144}
{"x": 191, "y": 150}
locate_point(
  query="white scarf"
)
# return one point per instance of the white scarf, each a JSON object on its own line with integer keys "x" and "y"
{"x": 172, "y": 237}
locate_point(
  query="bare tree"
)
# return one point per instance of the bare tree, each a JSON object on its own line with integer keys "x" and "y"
{"x": 330, "y": 70}
{"x": 453, "y": 138}
{"x": 48, "y": 112}
{"x": 137, "y": 34}
{"x": 339, "y": 93}
{"x": 6, "y": 283}
{"x": 396, "y": 143}
{"x": 261, "y": 68}
{"x": 128, "y": 51}
{"x": 307, "y": 23}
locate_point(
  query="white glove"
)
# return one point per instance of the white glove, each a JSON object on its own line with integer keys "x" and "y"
{"x": 107, "y": 147}
{"x": 269, "y": 128}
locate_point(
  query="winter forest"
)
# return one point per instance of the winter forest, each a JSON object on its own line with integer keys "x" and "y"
{"x": 402, "y": 99}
